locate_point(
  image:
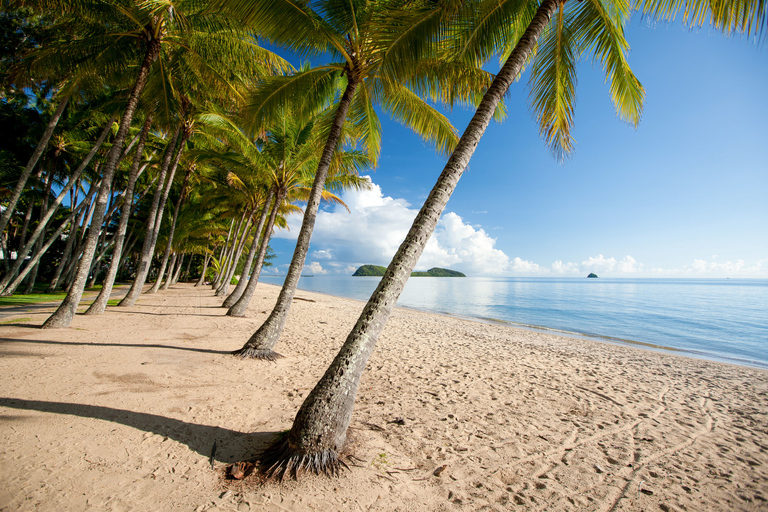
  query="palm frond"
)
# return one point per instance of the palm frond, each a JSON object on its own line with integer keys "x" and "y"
{"x": 410, "y": 110}
{"x": 553, "y": 83}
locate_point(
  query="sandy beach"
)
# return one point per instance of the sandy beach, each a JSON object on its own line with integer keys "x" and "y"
{"x": 121, "y": 412}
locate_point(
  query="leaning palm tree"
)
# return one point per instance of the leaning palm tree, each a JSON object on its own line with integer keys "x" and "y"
{"x": 162, "y": 28}
{"x": 559, "y": 33}
{"x": 383, "y": 55}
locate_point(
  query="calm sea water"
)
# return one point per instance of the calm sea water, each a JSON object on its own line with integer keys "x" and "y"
{"x": 719, "y": 319}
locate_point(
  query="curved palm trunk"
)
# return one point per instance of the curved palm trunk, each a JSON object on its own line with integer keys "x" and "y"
{"x": 226, "y": 251}
{"x": 241, "y": 284}
{"x": 206, "y": 260}
{"x": 171, "y": 270}
{"x": 35, "y": 259}
{"x": 177, "y": 209}
{"x": 320, "y": 428}
{"x": 100, "y": 303}
{"x": 74, "y": 222}
{"x": 148, "y": 247}
{"x": 11, "y": 206}
{"x": 238, "y": 253}
{"x": 238, "y": 308}
{"x": 260, "y": 345}
{"x": 11, "y": 288}
{"x": 177, "y": 274}
{"x": 66, "y": 311}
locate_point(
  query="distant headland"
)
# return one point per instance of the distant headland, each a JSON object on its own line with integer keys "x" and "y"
{"x": 592, "y": 274}
{"x": 378, "y": 270}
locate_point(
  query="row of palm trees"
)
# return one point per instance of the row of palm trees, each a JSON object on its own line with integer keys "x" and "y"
{"x": 252, "y": 135}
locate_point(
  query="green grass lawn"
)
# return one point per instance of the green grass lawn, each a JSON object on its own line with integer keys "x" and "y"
{"x": 38, "y": 296}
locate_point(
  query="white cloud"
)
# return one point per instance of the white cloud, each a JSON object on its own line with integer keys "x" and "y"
{"x": 314, "y": 268}
{"x": 629, "y": 266}
{"x": 377, "y": 225}
{"x": 558, "y": 267}
{"x": 520, "y": 266}
{"x": 599, "y": 264}
{"x": 737, "y": 268}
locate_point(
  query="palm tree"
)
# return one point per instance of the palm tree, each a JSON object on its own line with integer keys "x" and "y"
{"x": 152, "y": 33}
{"x": 558, "y": 33}
{"x": 383, "y": 58}
{"x": 290, "y": 155}
{"x": 205, "y": 40}
{"x": 100, "y": 303}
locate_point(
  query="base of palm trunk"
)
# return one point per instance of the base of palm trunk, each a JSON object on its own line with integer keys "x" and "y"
{"x": 280, "y": 460}
{"x": 235, "y": 311}
{"x": 257, "y": 353}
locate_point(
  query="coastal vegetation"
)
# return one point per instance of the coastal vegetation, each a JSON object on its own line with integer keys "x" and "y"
{"x": 159, "y": 140}
{"x": 378, "y": 270}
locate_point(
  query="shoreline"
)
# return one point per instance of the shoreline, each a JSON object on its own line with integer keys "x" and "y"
{"x": 121, "y": 412}
{"x": 666, "y": 349}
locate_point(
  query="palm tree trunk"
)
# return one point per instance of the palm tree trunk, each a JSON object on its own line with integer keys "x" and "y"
{"x": 11, "y": 288}
{"x": 177, "y": 274}
{"x": 171, "y": 270}
{"x": 226, "y": 251}
{"x": 319, "y": 430}
{"x": 34, "y": 260}
{"x": 241, "y": 284}
{"x": 237, "y": 253}
{"x": 169, "y": 245}
{"x": 50, "y": 211}
{"x": 100, "y": 303}
{"x": 206, "y": 260}
{"x": 11, "y": 206}
{"x": 148, "y": 247}
{"x": 264, "y": 339}
{"x": 62, "y": 317}
{"x": 43, "y": 211}
{"x": 239, "y": 308}
{"x": 70, "y": 241}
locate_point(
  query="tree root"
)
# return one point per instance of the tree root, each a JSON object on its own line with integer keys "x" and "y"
{"x": 279, "y": 461}
{"x": 257, "y": 353}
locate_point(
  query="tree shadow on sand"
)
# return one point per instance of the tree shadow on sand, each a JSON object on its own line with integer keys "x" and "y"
{"x": 129, "y": 345}
{"x": 170, "y": 313}
{"x": 231, "y": 446}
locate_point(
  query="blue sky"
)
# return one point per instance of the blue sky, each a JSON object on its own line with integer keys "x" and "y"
{"x": 683, "y": 195}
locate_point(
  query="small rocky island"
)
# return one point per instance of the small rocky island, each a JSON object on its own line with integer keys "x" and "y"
{"x": 378, "y": 270}
{"x": 592, "y": 274}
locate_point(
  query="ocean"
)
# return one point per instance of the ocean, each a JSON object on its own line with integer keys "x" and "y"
{"x": 717, "y": 319}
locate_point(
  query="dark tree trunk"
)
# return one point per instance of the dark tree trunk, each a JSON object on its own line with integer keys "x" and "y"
{"x": 16, "y": 194}
{"x": 239, "y": 308}
{"x": 241, "y": 284}
{"x": 264, "y": 339}
{"x": 206, "y": 260}
{"x": 148, "y": 247}
{"x": 171, "y": 270}
{"x": 66, "y": 311}
{"x": 177, "y": 274}
{"x": 319, "y": 430}
{"x": 169, "y": 245}
{"x": 237, "y": 254}
{"x": 226, "y": 251}
{"x": 74, "y": 221}
{"x": 100, "y": 303}
{"x": 48, "y": 212}
{"x": 11, "y": 288}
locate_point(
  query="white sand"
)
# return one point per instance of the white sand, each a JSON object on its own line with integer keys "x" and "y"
{"x": 121, "y": 411}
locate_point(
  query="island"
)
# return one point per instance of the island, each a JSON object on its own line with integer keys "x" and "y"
{"x": 592, "y": 274}
{"x": 378, "y": 270}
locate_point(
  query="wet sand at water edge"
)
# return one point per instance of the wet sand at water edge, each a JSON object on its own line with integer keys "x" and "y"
{"x": 121, "y": 412}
